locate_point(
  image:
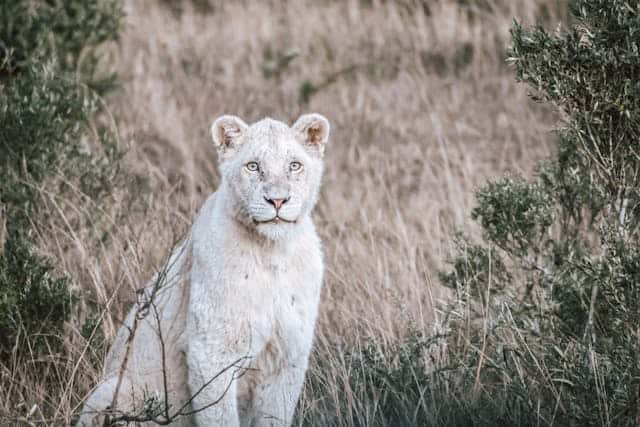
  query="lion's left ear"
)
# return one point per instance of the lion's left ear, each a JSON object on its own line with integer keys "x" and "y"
{"x": 312, "y": 131}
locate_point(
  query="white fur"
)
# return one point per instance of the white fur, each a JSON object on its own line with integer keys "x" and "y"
{"x": 242, "y": 286}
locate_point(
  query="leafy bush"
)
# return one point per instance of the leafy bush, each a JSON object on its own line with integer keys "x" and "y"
{"x": 48, "y": 64}
{"x": 33, "y": 303}
{"x": 569, "y": 239}
{"x": 33, "y": 32}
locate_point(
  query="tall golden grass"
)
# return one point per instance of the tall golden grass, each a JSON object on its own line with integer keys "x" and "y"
{"x": 423, "y": 110}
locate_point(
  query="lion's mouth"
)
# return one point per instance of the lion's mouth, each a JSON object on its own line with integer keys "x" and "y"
{"x": 275, "y": 220}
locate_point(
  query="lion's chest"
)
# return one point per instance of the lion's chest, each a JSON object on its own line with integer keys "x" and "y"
{"x": 255, "y": 301}
{"x": 277, "y": 301}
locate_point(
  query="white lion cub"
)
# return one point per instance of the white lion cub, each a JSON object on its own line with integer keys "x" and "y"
{"x": 224, "y": 339}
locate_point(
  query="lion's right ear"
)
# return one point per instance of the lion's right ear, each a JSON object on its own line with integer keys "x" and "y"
{"x": 227, "y": 133}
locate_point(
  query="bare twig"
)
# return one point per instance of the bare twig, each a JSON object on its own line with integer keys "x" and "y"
{"x": 167, "y": 419}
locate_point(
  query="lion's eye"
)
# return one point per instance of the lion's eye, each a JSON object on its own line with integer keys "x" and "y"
{"x": 252, "y": 166}
{"x": 295, "y": 166}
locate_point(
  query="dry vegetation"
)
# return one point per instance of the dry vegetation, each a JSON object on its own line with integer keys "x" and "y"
{"x": 423, "y": 110}
{"x": 426, "y": 112}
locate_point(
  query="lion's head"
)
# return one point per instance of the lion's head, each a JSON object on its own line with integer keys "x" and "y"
{"x": 271, "y": 171}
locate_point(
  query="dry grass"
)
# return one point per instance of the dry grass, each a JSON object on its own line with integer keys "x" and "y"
{"x": 413, "y": 134}
{"x": 423, "y": 111}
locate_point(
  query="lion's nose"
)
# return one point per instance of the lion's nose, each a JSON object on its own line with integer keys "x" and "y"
{"x": 276, "y": 202}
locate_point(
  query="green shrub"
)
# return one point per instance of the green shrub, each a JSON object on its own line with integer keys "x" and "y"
{"x": 33, "y": 303}
{"x": 569, "y": 238}
{"x": 48, "y": 76}
{"x": 70, "y": 31}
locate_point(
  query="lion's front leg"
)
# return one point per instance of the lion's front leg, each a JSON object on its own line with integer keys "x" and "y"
{"x": 217, "y": 356}
{"x": 212, "y": 378}
{"x": 276, "y": 398}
